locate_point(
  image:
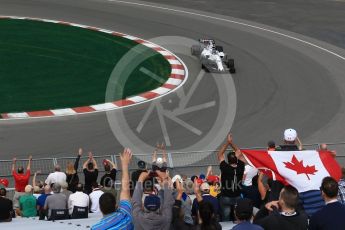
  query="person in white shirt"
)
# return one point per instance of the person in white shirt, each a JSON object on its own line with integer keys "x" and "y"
{"x": 94, "y": 197}
{"x": 78, "y": 198}
{"x": 56, "y": 177}
{"x": 249, "y": 173}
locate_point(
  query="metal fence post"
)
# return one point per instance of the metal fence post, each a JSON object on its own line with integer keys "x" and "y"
{"x": 54, "y": 161}
{"x": 171, "y": 163}
{"x": 113, "y": 159}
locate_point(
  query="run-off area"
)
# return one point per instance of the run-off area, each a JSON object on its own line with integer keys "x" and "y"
{"x": 50, "y": 66}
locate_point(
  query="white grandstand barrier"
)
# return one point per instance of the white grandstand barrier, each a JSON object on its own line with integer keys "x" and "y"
{"x": 35, "y": 224}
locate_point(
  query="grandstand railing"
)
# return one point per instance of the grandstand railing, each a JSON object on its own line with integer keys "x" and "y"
{"x": 188, "y": 163}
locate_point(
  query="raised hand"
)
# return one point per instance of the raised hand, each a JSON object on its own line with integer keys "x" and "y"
{"x": 179, "y": 187}
{"x": 30, "y": 158}
{"x": 143, "y": 176}
{"x": 161, "y": 146}
{"x": 126, "y": 157}
{"x": 80, "y": 152}
{"x": 197, "y": 191}
{"x": 270, "y": 205}
{"x": 196, "y": 187}
{"x": 229, "y": 138}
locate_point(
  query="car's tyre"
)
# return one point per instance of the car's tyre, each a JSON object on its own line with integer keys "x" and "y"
{"x": 204, "y": 68}
{"x": 231, "y": 63}
{"x": 196, "y": 50}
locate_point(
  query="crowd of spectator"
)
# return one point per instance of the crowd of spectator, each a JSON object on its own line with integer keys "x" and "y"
{"x": 154, "y": 199}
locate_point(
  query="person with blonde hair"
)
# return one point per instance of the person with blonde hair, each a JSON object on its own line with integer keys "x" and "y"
{"x": 72, "y": 177}
{"x": 37, "y": 191}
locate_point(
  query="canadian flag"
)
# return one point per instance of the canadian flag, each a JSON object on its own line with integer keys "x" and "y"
{"x": 302, "y": 169}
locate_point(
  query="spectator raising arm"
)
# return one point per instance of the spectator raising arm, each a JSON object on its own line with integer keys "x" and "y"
{"x": 261, "y": 187}
{"x": 209, "y": 171}
{"x": 299, "y": 144}
{"x": 14, "y": 164}
{"x": 125, "y": 157}
{"x": 197, "y": 192}
{"x": 34, "y": 178}
{"x": 138, "y": 193}
{"x": 85, "y": 163}
{"x": 238, "y": 152}
{"x": 76, "y": 163}
{"x": 154, "y": 155}
{"x": 177, "y": 221}
{"x": 29, "y": 163}
{"x": 94, "y": 162}
{"x": 162, "y": 148}
{"x": 179, "y": 189}
{"x": 113, "y": 165}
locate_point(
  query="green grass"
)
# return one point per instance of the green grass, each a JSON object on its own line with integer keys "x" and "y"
{"x": 49, "y": 66}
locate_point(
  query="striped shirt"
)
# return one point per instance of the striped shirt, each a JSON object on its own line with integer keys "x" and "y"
{"x": 119, "y": 220}
{"x": 312, "y": 201}
{"x": 341, "y": 193}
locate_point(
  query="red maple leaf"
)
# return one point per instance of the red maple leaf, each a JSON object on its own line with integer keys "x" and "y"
{"x": 298, "y": 166}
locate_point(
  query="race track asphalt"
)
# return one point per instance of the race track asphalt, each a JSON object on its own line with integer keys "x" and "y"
{"x": 280, "y": 83}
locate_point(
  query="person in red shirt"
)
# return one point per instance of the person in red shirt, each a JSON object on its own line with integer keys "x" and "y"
{"x": 21, "y": 179}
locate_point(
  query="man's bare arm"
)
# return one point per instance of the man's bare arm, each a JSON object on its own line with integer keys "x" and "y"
{"x": 113, "y": 165}
{"x": 197, "y": 192}
{"x": 126, "y": 158}
{"x": 237, "y": 150}
{"x": 29, "y": 163}
{"x": 85, "y": 163}
{"x": 14, "y": 164}
{"x": 222, "y": 151}
{"x": 34, "y": 178}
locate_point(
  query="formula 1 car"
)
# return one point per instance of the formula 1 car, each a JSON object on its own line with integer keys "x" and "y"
{"x": 212, "y": 57}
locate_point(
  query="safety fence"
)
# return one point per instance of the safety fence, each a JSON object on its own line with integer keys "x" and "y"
{"x": 187, "y": 163}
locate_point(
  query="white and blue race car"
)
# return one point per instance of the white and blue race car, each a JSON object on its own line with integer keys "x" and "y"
{"x": 212, "y": 57}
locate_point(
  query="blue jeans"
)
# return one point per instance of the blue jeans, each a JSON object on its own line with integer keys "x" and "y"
{"x": 227, "y": 205}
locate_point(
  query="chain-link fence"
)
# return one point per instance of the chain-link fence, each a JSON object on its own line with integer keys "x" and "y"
{"x": 187, "y": 163}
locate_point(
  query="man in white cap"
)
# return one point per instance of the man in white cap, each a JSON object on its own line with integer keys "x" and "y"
{"x": 291, "y": 141}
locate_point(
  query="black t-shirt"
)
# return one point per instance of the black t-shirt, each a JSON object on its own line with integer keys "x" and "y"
{"x": 287, "y": 148}
{"x": 275, "y": 220}
{"x": 108, "y": 179}
{"x": 252, "y": 193}
{"x": 6, "y": 208}
{"x": 231, "y": 178}
{"x": 89, "y": 178}
{"x": 72, "y": 181}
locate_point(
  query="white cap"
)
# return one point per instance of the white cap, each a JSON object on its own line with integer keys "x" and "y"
{"x": 290, "y": 135}
{"x": 159, "y": 160}
{"x": 175, "y": 178}
{"x": 204, "y": 186}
